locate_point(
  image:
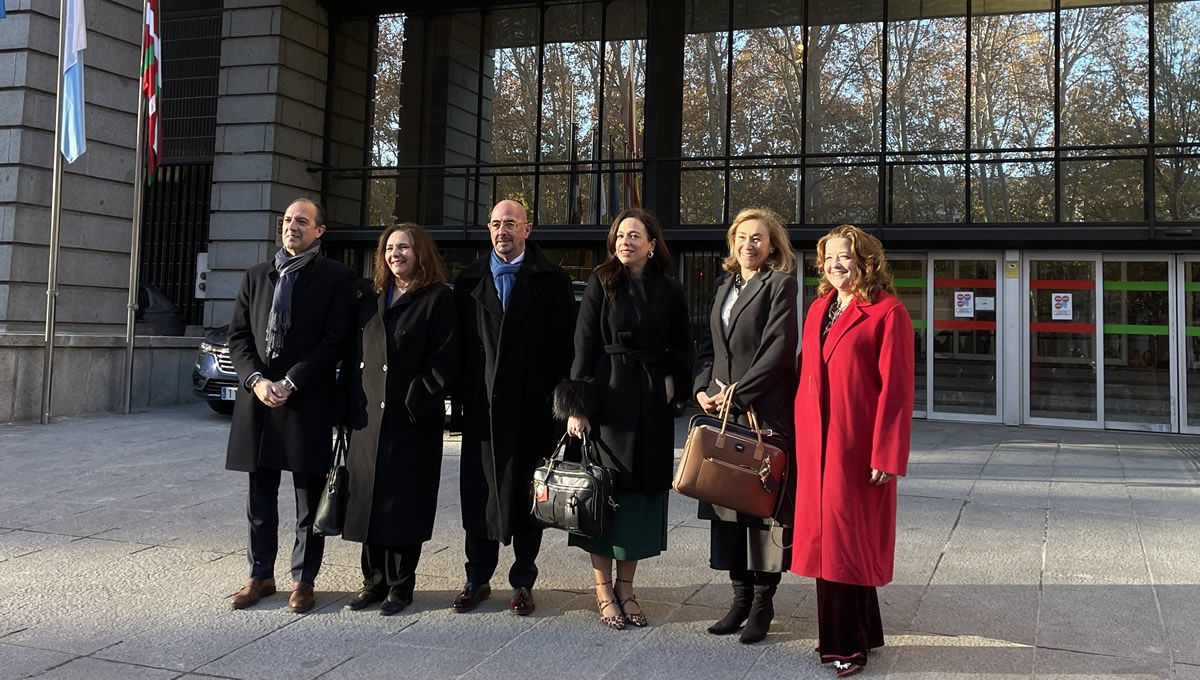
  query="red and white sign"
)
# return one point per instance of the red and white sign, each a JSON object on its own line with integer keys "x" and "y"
{"x": 964, "y": 304}
{"x": 1061, "y": 308}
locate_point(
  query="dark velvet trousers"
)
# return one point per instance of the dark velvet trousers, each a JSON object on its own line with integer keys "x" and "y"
{"x": 848, "y": 622}
{"x": 391, "y": 566}
{"x": 483, "y": 555}
{"x": 262, "y": 513}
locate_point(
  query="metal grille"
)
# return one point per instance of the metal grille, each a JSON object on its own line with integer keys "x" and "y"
{"x": 175, "y": 228}
{"x": 176, "y": 204}
{"x": 225, "y": 363}
{"x": 191, "y": 66}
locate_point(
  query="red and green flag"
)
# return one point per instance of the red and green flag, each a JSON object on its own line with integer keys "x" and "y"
{"x": 151, "y": 83}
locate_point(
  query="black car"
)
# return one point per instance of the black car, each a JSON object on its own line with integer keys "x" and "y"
{"x": 213, "y": 377}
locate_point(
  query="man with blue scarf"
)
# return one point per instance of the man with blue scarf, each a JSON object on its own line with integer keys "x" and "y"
{"x": 516, "y": 321}
{"x": 292, "y": 322}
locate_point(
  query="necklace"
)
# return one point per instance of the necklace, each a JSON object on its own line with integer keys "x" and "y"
{"x": 835, "y": 310}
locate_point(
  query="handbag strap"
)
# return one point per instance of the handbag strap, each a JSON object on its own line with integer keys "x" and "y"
{"x": 586, "y": 448}
{"x": 727, "y": 410}
{"x": 341, "y": 445}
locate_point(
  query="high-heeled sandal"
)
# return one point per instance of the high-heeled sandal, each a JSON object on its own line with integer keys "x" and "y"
{"x": 638, "y": 619}
{"x": 614, "y": 622}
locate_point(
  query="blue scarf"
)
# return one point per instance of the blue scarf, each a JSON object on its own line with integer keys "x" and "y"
{"x": 279, "y": 321}
{"x": 504, "y": 275}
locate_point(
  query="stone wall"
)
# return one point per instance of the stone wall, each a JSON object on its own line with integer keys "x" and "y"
{"x": 89, "y": 373}
{"x": 270, "y": 131}
{"x": 97, "y": 189}
{"x": 97, "y": 213}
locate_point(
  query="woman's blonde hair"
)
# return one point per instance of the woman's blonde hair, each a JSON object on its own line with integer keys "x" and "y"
{"x": 874, "y": 274}
{"x": 429, "y": 263}
{"x": 782, "y": 260}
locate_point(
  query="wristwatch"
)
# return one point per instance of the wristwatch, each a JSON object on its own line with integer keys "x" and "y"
{"x": 288, "y": 384}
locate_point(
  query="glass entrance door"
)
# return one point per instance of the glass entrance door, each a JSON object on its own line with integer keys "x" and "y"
{"x": 1061, "y": 379}
{"x": 1189, "y": 343}
{"x": 964, "y": 338}
{"x": 909, "y": 277}
{"x": 1137, "y": 343}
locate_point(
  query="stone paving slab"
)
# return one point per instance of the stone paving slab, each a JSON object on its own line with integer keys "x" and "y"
{"x": 1021, "y": 552}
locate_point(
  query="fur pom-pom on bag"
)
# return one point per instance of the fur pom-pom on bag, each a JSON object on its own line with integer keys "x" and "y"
{"x": 575, "y": 398}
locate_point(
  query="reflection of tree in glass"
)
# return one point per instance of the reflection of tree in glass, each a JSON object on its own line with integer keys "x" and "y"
{"x": 1177, "y": 106}
{"x": 1012, "y": 107}
{"x": 1104, "y": 90}
{"x": 845, "y": 85}
{"x": 514, "y": 119}
{"x": 705, "y": 62}
{"x": 926, "y": 77}
{"x": 385, "y": 128}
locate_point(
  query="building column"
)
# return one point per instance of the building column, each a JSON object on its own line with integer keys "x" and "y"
{"x": 270, "y": 132}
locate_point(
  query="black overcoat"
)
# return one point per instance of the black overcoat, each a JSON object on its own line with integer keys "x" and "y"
{"x": 758, "y": 352}
{"x": 297, "y": 435}
{"x": 625, "y": 348}
{"x": 511, "y": 361}
{"x": 406, "y": 360}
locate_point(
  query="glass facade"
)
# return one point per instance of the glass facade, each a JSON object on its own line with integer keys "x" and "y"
{"x": 881, "y": 113}
{"x": 985, "y": 142}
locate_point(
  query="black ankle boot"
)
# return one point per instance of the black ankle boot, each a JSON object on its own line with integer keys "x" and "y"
{"x": 743, "y": 592}
{"x": 762, "y": 610}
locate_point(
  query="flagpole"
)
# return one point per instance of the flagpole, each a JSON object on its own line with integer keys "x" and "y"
{"x": 55, "y": 220}
{"x": 135, "y": 244}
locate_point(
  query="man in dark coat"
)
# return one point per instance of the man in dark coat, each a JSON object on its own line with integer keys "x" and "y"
{"x": 516, "y": 314}
{"x": 292, "y": 322}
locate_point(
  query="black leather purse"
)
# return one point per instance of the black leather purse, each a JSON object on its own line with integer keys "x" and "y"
{"x": 331, "y": 511}
{"x": 573, "y": 496}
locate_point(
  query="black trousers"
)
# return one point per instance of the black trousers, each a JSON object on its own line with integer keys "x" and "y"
{"x": 483, "y": 554}
{"x": 751, "y": 577}
{"x": 394, "y": 566}
{"x": 262, "y": 512}
{"x": 848, "y": 621}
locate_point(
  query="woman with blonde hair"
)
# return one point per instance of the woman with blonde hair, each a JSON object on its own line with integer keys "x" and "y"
{"x": 406, "y": 360}
{"x": 854, "y": 410}
{"x": 750, "y": 342}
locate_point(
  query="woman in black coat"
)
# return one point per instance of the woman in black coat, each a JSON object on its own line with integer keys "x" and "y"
{"x": 632, "y": 350}
{"x": 407, "y": 358}
{"x": 751, "y": 342}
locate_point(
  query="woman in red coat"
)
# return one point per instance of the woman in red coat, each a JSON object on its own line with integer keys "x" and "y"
{"x": 853, "y": 421}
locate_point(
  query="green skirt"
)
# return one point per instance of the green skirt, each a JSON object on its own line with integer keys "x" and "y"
{"x": 639, "y": 528}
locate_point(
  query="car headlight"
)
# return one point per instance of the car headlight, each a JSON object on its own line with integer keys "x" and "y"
{"x": 209, "y": 348}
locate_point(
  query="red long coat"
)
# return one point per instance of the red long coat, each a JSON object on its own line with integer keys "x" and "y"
{"x": 853, "y": 413}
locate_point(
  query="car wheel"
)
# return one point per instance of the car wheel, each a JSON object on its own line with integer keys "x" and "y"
{"x": 223, "y": 407}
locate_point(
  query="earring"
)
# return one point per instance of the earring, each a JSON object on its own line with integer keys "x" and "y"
{"x": 650, "y": 255}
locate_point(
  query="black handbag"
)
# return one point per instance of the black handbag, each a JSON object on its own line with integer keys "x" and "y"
{"x": 574, "y": 497}
{"x": 331, "y": 511}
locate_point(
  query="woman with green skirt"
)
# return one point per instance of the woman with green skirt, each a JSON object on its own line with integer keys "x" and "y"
{"x": 632, "y": 351}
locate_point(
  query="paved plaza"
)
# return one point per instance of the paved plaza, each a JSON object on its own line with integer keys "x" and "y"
{"x": 1022, "y": 552}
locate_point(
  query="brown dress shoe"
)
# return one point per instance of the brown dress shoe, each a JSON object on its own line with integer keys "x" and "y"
{"x": 471, "y": 596}
{"x": 301, "y": 599}
{"x": 254, "y": 590}
{"x": 521, "y": 603}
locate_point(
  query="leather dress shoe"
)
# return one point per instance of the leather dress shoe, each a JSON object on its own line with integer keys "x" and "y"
{"x": 366, "y": 597}
{"x": 254, "y": 590}
{"x": 395, "y": 603}
{"x": 471, "y": 596}
{"x": 302, "y": 598}
{"x": 521, "y": 603}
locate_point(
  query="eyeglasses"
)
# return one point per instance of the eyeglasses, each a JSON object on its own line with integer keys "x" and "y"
{"x": 506, "y": 225}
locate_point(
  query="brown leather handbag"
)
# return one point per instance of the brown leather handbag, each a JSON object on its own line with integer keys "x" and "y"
{"x": 732, "y": 466}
